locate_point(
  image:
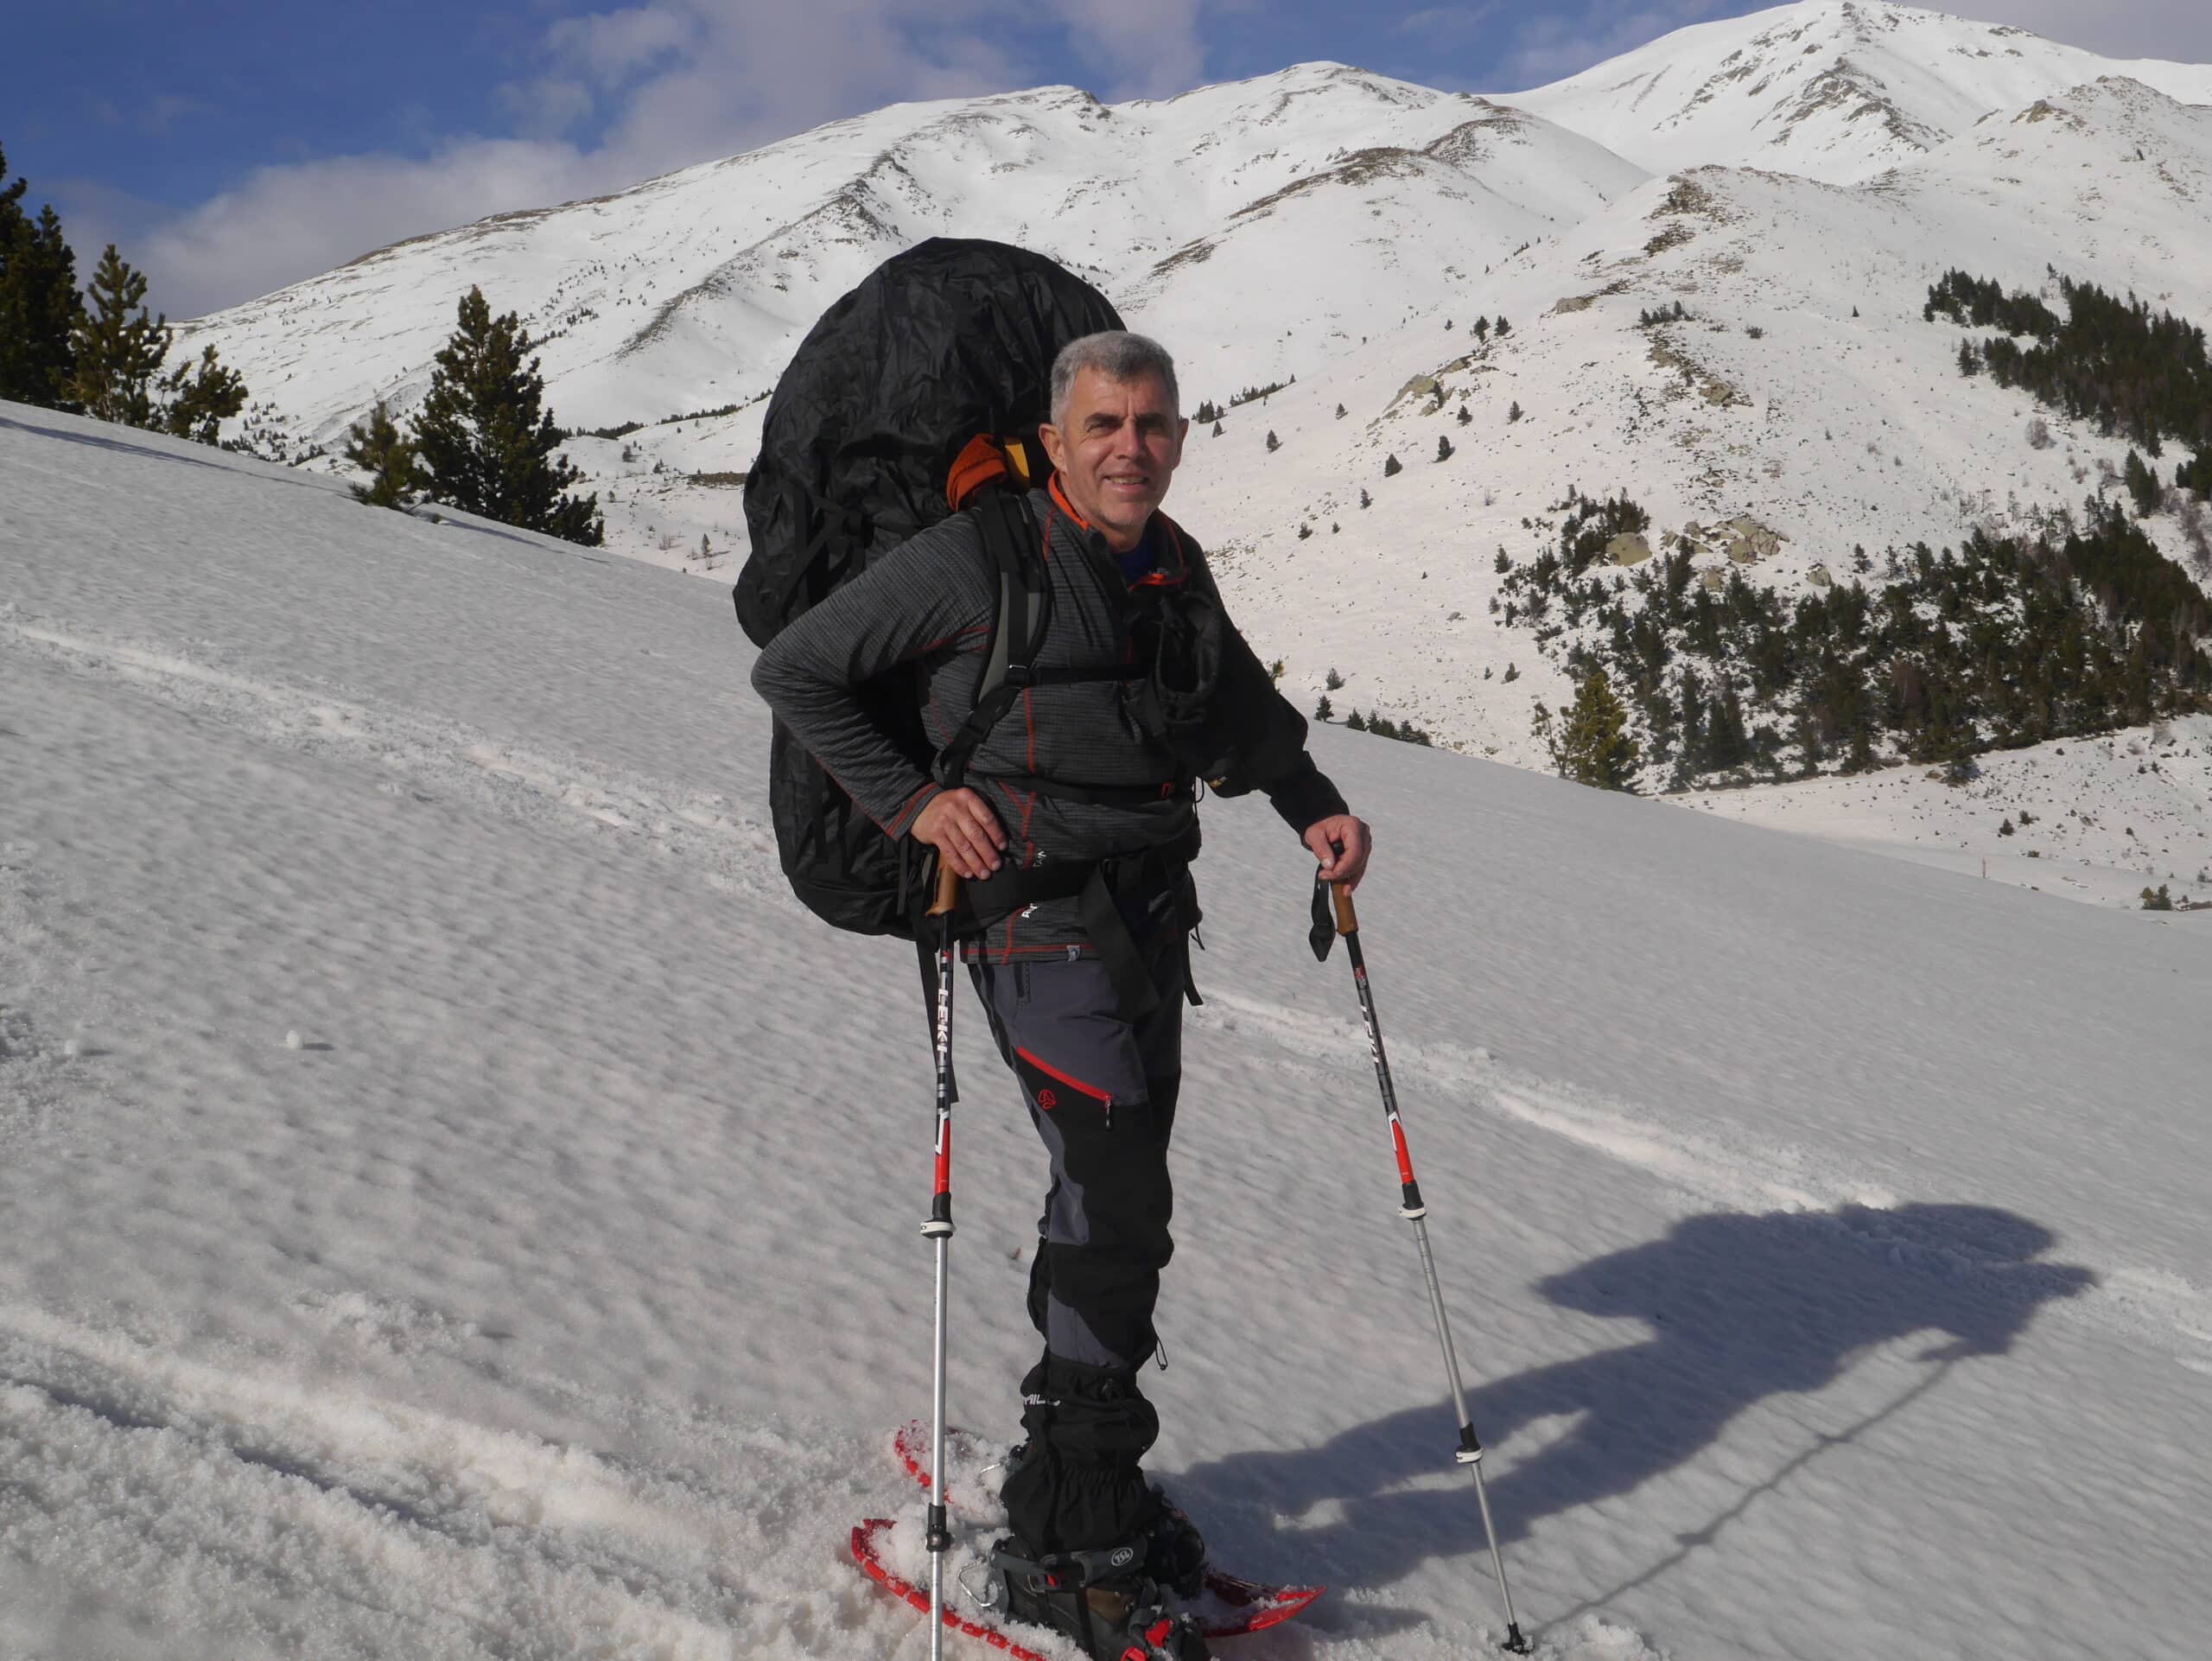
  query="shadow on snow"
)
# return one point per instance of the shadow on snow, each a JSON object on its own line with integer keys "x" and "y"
{"x": 1739, "y": 1308}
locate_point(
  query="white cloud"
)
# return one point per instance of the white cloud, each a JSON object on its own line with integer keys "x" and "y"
{"x": 670, "y": 83}
{"x": 1551, "y": 47}
{"x": 1150, "y": 46}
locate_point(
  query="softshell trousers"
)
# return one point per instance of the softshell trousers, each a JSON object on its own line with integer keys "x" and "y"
{"x": 1100, "y": 1086}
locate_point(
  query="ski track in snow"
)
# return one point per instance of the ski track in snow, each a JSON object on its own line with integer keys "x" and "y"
{"x": 733, "y": 851}
{"x": 222, "y": 1487}
{"x": 425, "y": 1534}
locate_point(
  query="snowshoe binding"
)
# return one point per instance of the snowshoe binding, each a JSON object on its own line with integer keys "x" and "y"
{"x": 1101, "y": 1600}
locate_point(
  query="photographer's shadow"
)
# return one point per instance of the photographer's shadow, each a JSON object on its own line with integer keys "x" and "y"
{"x": 1739, "y": 1307}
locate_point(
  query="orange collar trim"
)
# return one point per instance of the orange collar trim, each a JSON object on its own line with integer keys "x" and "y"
{"x": 1067, "y": 506}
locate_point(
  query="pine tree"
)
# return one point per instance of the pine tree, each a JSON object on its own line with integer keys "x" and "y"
{"x": 1482, "y": 328}
{"x": 396, "y": 476}
{"x": 197, "y": 396}
{"x": 1356, "y": 721}
{"x": 1504, "y": 328}
{"x": 1969, "y": 359}
{"x": 114, "y": 354}
{"x": 1324, "y": 709}
{"x": 1217, "y": 429}
{"x": 1340, "y": 412}
{"x": 1391, "y": 465}
{"x": 485, "y": 437}
{"x": 1513, "y": 414}
{"x": 1465, "y": 415}
{"x": 39, "y": 305}
{"x": 2142, "y": 485}
{"x": 1595, "y": 746}
{"x": 1365, "y": 501}
{"x": 1273, "y": 444}
{"x": 1443, "y": 448}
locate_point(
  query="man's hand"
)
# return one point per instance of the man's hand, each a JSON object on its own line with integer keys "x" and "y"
{"x": 1342, "y": 844}
{"x": 967, "y": 835}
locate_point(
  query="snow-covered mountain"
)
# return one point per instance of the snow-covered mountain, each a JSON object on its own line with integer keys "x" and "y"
{"x": 1829, "y": 161}
{"x": 459, "y": 1207}
{"x": 690, "y": 291}
{"x": 1835, "y": 90}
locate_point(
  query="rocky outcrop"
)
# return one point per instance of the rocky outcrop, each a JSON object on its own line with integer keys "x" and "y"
{"x": 1629, "y": 548}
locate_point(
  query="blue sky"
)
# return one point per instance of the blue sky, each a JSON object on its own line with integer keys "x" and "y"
{"x": 231, "y": 146}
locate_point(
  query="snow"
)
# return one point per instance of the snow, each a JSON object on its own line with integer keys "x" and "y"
{"x": 1825, "y": 1235}
{"x": 2097, "y": 819}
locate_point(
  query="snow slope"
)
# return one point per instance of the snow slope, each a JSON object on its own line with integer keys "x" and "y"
{"x": 459, "y": 1206}
{"x": 2097, "y": 819}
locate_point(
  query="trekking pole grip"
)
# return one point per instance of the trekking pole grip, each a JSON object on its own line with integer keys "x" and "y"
{"x": 1347, "y": 918}
{"x": 948, "y": 889}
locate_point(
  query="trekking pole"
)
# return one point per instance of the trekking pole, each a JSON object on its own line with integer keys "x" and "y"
{"x": 1470, "y": 1451}
{"x": 938, "y": 1228}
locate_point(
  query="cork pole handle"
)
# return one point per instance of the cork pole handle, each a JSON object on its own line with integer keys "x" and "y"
{"x": 1347, "y": 918}
{"x": 948, "y": 889}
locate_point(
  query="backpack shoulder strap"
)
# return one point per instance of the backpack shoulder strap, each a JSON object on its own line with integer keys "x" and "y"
{"x": 1012, "y": 557}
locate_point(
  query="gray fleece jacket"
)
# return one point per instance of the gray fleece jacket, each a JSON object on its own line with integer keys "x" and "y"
{"x": 933, "y": 602}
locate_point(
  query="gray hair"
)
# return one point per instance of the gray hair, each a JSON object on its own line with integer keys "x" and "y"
{"x": 1118, "y": 355}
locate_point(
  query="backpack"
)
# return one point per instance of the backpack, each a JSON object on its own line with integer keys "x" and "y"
{"x": 915, "y": 396}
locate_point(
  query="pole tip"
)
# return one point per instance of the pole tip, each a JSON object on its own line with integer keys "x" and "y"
{"x": 1515, "y": 1643}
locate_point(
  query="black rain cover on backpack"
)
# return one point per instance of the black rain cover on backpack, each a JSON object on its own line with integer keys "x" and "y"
{"x": 948, "y": 340}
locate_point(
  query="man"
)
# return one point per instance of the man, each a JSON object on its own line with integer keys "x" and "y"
{"x": 1083, "y": 991}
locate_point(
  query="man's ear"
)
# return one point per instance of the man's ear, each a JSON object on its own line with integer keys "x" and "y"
{"x": 1055, "y": 452}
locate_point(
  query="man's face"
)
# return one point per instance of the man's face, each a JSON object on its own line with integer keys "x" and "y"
{"x": 1118, "y": 452}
